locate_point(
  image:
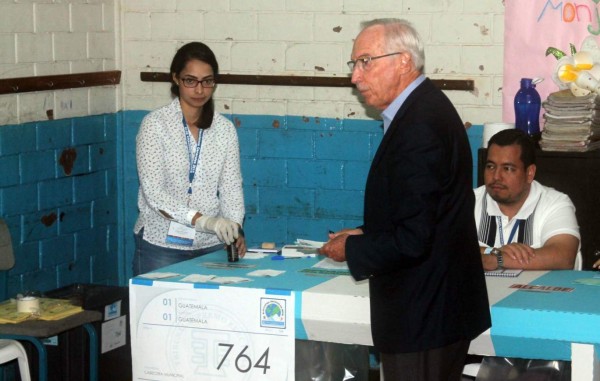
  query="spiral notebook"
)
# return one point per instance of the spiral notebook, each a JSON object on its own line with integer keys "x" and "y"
{"x": 508, "y": 273}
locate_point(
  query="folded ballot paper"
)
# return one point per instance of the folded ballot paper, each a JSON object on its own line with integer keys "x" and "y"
{"x": 302, "y": 248}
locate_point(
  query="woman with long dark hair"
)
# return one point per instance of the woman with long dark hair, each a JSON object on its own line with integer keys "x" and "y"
{"x": 190, "y": 197}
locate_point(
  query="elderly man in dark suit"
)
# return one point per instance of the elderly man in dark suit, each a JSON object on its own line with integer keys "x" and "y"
{"x": 418, "y": 245}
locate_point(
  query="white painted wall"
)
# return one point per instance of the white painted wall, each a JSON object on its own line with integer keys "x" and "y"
{"x": 464, "y": 40}
{"x": 51, "y": 37}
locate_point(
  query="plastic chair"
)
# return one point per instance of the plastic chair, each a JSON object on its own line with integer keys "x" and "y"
{"x": 13, "y": 350}
{"x": 10, "y": 349}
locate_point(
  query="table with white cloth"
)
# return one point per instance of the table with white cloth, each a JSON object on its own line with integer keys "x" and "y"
{"x": 175, "y": 323}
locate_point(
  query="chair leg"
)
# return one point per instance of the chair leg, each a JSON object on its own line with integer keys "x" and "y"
{"x": 23, "y": 364}
{"x": 11, "y": 350}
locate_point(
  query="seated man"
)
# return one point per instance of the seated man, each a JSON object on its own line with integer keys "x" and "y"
{"x": 523, "y": 224}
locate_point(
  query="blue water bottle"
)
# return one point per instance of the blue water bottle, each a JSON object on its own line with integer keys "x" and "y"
{"x": 527, "y": 108}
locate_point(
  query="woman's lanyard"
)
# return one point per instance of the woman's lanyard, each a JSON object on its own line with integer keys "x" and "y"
{"x": 194, "y": 162}
{"x": 512, "y": 232}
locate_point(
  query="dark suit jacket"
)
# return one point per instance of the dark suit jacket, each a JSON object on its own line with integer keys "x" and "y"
{"x": 419, "y": 248}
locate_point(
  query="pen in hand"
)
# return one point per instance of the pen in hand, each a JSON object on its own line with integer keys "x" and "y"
{"x": 330, "y": 236}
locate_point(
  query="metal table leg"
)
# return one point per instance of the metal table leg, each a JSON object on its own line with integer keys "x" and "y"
{"x": 93, "y": 351}
{"x": 43, "y": 354}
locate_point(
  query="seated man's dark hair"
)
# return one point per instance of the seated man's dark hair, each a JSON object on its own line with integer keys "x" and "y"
{"x": 513, "y": 136}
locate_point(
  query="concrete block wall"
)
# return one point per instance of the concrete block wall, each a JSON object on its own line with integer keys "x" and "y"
{"x": 41, "y": 37}
{"x": 306, "y": 176}
{"x": 302, "y": 176}
{"x": 463, "y": 40}
{"x": 305, "y": 151}
{"x": 58, "y": 195}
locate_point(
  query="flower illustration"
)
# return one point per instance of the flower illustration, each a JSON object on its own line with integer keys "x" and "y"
{"x": 579, "y": 72}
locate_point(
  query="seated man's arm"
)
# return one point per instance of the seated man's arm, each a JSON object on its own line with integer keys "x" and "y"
{"x": 558, "y": 253}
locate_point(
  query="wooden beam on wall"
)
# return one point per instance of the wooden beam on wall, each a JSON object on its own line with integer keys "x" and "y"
{"x": 104, "y": 78}
{"x": 292, "y": 80}
{"x": 59, "y": 82}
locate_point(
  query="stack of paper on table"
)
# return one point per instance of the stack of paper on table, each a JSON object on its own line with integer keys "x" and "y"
{"x": 572, "y": 124}
{"x": 51, "y": 309}
{"x": 328, "y": 267}
{"x": 9, "y": 314}
{"x": 55, "y": 309}
{"x": 261, "y": 250}
{"x": 302, "y": 248}
{"x": 298, "y": 251}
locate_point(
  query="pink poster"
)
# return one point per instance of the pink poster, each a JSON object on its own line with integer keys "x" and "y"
{"x": 531, "y": 27}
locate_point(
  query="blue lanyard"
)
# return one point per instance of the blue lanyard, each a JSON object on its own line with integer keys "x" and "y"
{"x": 194, "y": 162}
{"x": 512, "y": 232}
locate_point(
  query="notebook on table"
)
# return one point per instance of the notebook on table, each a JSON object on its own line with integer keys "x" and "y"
{"x": 509, "y": 273}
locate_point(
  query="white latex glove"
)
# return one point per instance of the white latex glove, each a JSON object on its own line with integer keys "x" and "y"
{"x": 225, "y": 229}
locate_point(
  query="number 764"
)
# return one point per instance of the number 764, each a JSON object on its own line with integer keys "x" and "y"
{"x": 243, "y": 362}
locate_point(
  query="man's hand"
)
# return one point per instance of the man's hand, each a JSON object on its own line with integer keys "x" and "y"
{"x": 516, "y": 255}
{"x": 558, "y": 253}
{"x": 335, "y": 248}
{"x": 240, "y": 243}
{"x": 355, "y": 231}
{"x": 490, "y": 262}
{"x": 518, "y": 252}
{"x": 225, "y": 229}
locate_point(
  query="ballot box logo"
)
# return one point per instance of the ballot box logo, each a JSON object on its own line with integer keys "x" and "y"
{"x": 272, "y": 313}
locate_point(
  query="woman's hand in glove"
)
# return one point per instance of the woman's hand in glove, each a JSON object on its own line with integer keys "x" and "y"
{"x": 225, "y": 229}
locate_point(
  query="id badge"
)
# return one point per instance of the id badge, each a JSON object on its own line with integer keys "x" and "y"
{"x": 180, "y": 234}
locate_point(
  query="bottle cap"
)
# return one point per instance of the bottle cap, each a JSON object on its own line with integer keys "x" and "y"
{"x": 531, "y": 82}
{"x": 526, "y": 82}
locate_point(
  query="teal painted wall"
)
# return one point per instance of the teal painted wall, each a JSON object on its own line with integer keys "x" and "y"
{"x": 302, "y": 177}
{"x": 58, "y": 195}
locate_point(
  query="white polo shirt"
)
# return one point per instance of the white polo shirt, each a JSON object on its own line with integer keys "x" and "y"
{"x": 554, "y": 214}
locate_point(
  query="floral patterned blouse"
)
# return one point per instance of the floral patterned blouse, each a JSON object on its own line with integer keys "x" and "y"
{"x": 163, "y": 162}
